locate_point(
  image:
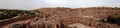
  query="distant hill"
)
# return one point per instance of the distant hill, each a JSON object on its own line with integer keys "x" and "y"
{"x": 6, "y": 13}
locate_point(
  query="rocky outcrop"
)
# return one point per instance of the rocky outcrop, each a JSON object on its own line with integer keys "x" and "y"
{"x": 64, "y": 18}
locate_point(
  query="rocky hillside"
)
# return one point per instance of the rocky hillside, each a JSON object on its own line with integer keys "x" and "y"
{"x": 95, "y": 17}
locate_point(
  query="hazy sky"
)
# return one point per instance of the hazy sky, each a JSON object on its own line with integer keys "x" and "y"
{"x": 32, "y": 4}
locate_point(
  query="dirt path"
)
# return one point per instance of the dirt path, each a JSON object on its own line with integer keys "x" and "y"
{"x": 78, "y": 25}
{"x": 3, "y": 23}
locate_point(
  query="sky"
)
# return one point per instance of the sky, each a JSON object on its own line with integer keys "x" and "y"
{"x": 34, "y": 4}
